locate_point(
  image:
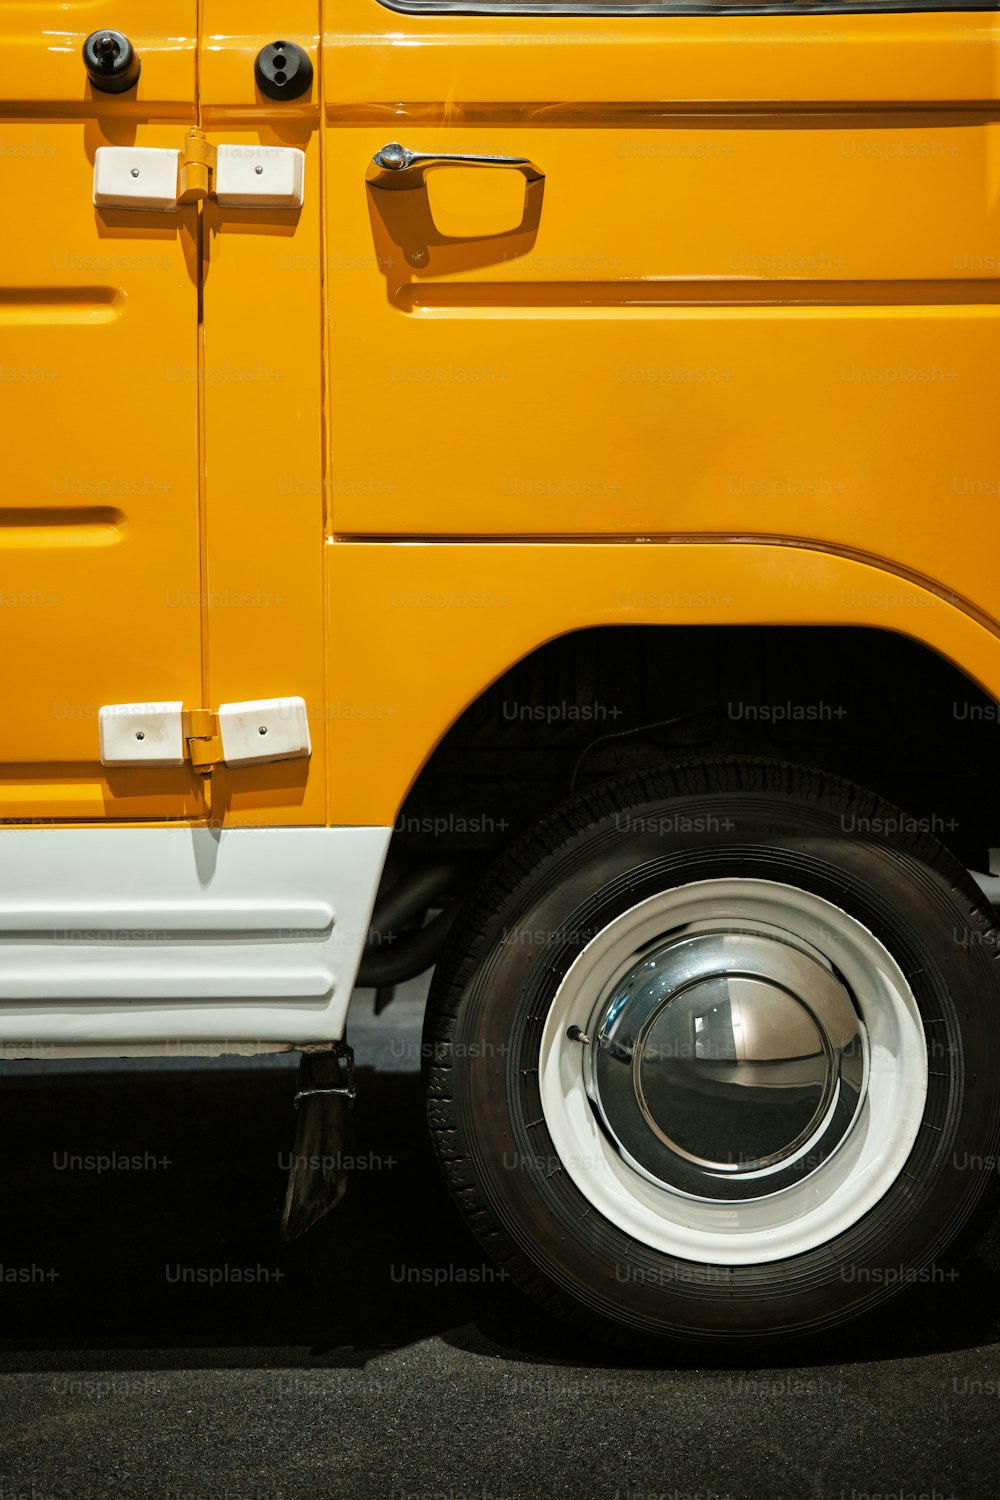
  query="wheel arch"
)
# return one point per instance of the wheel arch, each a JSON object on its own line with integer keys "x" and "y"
{"x": 475, "y": 614}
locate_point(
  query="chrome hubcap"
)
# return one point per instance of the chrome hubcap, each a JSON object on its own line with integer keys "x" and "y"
{"x": 727, "y": 1065}
{"x": 656, "y": 1132}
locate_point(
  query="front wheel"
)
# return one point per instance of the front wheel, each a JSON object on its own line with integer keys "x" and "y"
{"x": 714, "y": 1055}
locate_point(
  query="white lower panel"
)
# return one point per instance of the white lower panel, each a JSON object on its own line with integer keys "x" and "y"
{"x": 156, "y": 937}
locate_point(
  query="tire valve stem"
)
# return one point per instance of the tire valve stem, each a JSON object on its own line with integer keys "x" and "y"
{"x": 576, "y": 1035}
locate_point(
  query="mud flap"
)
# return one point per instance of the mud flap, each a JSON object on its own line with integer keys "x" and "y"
{"x": 324, "y": 1138}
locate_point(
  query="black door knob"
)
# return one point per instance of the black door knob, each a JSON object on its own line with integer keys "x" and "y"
{"x": 111, "y": 61}
{"x": 283, "y": 70}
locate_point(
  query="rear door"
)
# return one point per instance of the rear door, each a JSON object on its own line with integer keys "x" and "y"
{"x": 754, "y": 294}
{"x": 100, "y": 585}
{"x": 263, "y": 403}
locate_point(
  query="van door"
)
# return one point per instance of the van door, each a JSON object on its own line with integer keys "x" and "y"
{"x": 100, "y": 590}
{"x": 727, "y": 274}
{"x": 263, "y": 400}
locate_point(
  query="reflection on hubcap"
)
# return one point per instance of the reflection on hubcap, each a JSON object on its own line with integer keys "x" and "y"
{"x": 727, "y": 1065}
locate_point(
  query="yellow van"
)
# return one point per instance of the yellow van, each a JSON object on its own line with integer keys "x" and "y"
{"x": 509, "y": 485}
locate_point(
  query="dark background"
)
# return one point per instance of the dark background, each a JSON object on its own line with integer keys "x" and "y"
{"x": 353, "y": 1374}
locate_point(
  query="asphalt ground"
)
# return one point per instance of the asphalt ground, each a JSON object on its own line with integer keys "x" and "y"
{"x": 159, "y": 1340}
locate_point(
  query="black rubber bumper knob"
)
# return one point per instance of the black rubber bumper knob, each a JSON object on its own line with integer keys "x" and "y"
{"x": 283, "y": 70}
{"x": 111, "y": 61}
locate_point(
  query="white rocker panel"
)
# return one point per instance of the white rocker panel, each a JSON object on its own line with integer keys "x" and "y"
{"x": 148, "y": 938}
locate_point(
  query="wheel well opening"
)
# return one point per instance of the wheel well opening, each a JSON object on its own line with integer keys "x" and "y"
{"x": 873, "y": 706}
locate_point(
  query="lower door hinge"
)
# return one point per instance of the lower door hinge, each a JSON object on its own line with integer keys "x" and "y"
{"x": 254, "y": 732}
{"x": 202, "y": 739}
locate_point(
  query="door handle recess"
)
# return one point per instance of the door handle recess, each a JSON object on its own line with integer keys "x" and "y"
{"x": 396, "y": 167}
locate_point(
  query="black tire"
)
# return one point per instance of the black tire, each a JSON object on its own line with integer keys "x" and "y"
{"x": 573, "y": 874}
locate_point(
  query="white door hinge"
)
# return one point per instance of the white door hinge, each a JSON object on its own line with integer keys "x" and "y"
{"x": 239, "y": 734}
{"x": 142, "y": 177}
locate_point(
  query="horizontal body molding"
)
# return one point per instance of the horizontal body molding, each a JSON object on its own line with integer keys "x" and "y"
{"x": 163, "y": 938}
{"x": 467, "y": 66}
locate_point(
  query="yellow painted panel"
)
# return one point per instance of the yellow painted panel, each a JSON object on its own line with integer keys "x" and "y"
{"x": 863, "y": 428}
{"x": 232, "y": 35}
{"x": 836, "y": 198}
{"x": 552, "y": 65}
{"x": 757, "y": 295}
{"x": 758, "y": 300}
{"x": 42, "y": 45}
{"x": 99, "y": 520}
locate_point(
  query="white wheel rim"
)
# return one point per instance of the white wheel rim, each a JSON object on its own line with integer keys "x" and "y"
{"x": 797, "y": 1218}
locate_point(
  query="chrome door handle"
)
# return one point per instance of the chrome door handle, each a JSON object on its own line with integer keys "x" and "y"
{"x": 396, "y": 167}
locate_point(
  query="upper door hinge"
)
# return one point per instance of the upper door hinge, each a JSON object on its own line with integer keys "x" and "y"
{"x": 239, "y": 734}
{"x": 143, "y": 177}
{"x": 195, "y": 165}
